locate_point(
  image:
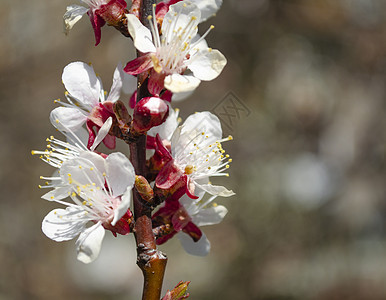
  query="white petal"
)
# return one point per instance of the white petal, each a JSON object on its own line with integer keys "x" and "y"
{"x": 120, "y": 173}
{"x": 123, "y": 206}
{"x": 205, "y": 122}
{"x": 103, "y": 131}
{"x": 207, "y": 64}
{"x": 95, "y": 159}
{"x": 141, "y": 35}
{"x": 217, "y": 190}
{"x": 199, "y": 44}
{"x": 63, "y": 224}
{"x": 89, "y": 243}
{"x": 57, "y": 193}
{"x": 199, "y": 248}
{"x": 167, "y": 128}
{"x": 116, "y": 87}
{"x": 178, "y": 17}
{"x": 177, "y": 83}
{"x": 81, "y": 82}
{"x": 129, "y": 83}
{"x": 210, "y": 216}
{"x": 73, "y": 14}
{"x": 208, "y": 8}
{"x": 196, "y": 124}
{"x": 81, "y": 171}
{"x": 67, "y": 118}
{"x": 81, "y": 134}
{"x": 181, "y": 96}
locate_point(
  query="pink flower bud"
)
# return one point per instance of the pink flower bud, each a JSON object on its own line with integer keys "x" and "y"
{"x": 149, "y": 112}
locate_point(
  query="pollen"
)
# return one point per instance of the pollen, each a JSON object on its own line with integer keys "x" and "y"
{"x": 189, "y": 169}
{"x": 57, "y": 121}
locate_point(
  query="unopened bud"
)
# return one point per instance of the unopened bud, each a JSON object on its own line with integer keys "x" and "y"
{"x": 149, "y": 112}
{"x": 113, "y": 12}
{"x": 123, "y": 116}
{"x": 144, "y": 189}
{"x": 178, "y": 293}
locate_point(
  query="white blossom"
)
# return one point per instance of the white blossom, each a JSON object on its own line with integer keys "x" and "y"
{"x": 197, "y": 150}
{"x": 173, "y": 50}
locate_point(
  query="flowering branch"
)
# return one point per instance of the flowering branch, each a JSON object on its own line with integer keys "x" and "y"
{"x": 108, "y": 192}
{"x": 151, "y": 261}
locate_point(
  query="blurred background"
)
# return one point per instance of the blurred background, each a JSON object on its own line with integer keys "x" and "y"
{"x": 303, "y": 95}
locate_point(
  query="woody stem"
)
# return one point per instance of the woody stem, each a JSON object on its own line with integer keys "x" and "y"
{"x": 151, "y": 261}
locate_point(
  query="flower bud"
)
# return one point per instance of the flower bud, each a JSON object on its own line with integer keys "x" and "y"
{"x": 113, "y": 12}
{"x": 179, "y": 292}
{"x": 149, "y": 112}
{"x": 144, "y": 189}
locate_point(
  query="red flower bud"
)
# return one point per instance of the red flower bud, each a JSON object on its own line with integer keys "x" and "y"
{"x": 113, "y": 12}
{"x": 149, "y": 112}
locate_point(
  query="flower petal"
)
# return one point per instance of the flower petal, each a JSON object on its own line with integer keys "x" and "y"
{"x": 67, "y": 118}
{"x": 57, "y": 193}
{"x": 129, "y": 84}
{"x": 73, "y": 14}
{"x": 216, "y": 190}
{"x": 177, "y": 83}
{"x": 207, "y": 64}
{"x": 116, "y": 87}
{"x": 89, "y": 243}
{"x": 119, "y": 172}
{"x": 80, "y": 81}
{"x": 123, "y": 206}
{"x": 200, "y": 248}
{"x": 95, "y": 159}
{"x": 180, "y": 16}
{"x": 139, "y": 65}
{"x": 208, "y": 8}
{"x": 166, "y": 129}
{"x": 141, "y": 35}
{"x": 210, "y": 216}
{"x": 195, "y": 124}
{"x": 103, "y": 131}
{"x": 181, "y": 96}
{"x": 63, "y": 224}
{"x": 80, "y": 171}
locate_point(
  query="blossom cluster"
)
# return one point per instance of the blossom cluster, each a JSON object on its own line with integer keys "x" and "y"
{"x": 94, "y": 188}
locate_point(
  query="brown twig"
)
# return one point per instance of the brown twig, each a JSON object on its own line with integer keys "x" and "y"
{"x": 151, "y": 261}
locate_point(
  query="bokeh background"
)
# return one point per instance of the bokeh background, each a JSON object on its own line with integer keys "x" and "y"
{"x": 303, "y": 94}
